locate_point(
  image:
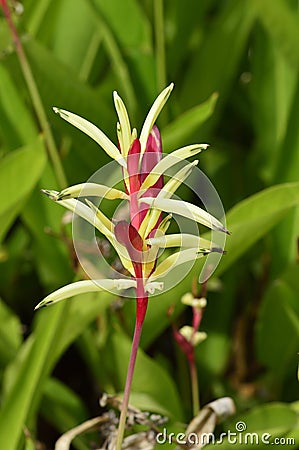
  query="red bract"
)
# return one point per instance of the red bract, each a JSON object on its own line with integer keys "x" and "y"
{"x": 139, "y": 167}
{"x": 151, "y": 157}
{"x": 127, "y": 235}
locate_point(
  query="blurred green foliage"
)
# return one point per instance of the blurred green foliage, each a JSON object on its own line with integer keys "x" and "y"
{"x": 235, "y": 66}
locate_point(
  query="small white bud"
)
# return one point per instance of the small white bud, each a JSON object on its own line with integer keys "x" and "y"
{"x": 194, "y": 338}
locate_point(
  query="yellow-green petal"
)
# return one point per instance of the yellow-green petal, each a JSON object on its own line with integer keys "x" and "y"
{"x": 107, "y": 228}
{"x": 85, "y": 286}
{"x": 94, "y": 132}
{"x": 187, "y": 210}
{"x": 173, "y": 261}
{"x": 176, "y": 180}
{"x": 169, "y": 161}
{"x": 91, "y": 189}
{"x": 181, "y": 240}
{"x": 170, "y": 187}
{"x": 153, "y": 114}
{"x": 124, "y": 124}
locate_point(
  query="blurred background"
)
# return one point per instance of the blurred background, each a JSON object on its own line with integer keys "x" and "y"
{"x": 235, "y": 68}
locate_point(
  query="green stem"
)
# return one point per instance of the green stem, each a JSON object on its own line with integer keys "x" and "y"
{"x": 90, "y": 56}
{"x": 160, "y": 44}
{"x": 119, "y": 65}
{"x": 36, "y": 100}
{"x": 194, "y": 386}
{"x": 141, "y": 308}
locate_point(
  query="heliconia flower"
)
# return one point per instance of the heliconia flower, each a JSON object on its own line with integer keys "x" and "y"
{"x": 137, "y": 241}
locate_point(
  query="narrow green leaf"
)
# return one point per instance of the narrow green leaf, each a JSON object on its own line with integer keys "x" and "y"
{"x": 10, "y": 334}
{"x": 282, "y": 24}
{"x": 44, "y": 221}
{"x": 63, "y": 408}
{"x": 15, "y": 109}
{"x": 19, "y": 173}
{"x": 272, "y": 95}
{"x": 73, "y": 32}
{"x": 31, "y": 371}
{"x": 153, "y": 115}
{"x": 56, "y": 329}
{"x": 248, "y": 221}
{"x": 277, "y": 346}
{"x": 226, "y": 37}
{"x": 132, "y": 36}
{"x": 269, "y": 421}
{"x": 252, "y": 218}
{"x": 176, "y": 132}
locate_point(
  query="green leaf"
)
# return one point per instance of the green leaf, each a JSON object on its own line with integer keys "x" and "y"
{"x": 132, "y": 37}
{"x": 36, "y": 16}
{"x": 83, "y": 309}
{"x": 176, "y": 132}
{"x": 286, "y": 171}
{"x": 31, "y": 370}
{"x": 282, "y": 24}
{"x": 16, "y": 111}
{"x": 63, "y": 408}
{"x": 248, "y": 222}
{"x": 152, "y": 387}
{"x": 74, "y": 30}
{"x": 50, "y": 253}
{"x": 252, "y": 218}
{"x": 62, "y": 88}
{"x": 56, "y": 329}
{"x": 272, "y": 93}
{"x": 135, "y": 30}
{"x": 10, "y": 334}
{"x": 19, "y": 173}
{"x": 216, "y": 62}
{"x": 277, "y": 327}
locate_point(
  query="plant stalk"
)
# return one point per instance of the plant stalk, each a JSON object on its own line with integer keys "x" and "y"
{"x": 160, "y": 43}
{"x": 194, "y": 386}
{"x": 36, "y": 100}
{"x": 141, "y": 307}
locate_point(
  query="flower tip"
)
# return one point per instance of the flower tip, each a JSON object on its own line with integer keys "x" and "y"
{"x": 223, "y": 230}
{"x": 53, "y": 195}
{"x": 42, "y": 305}
{"x": 62, "y": 113}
